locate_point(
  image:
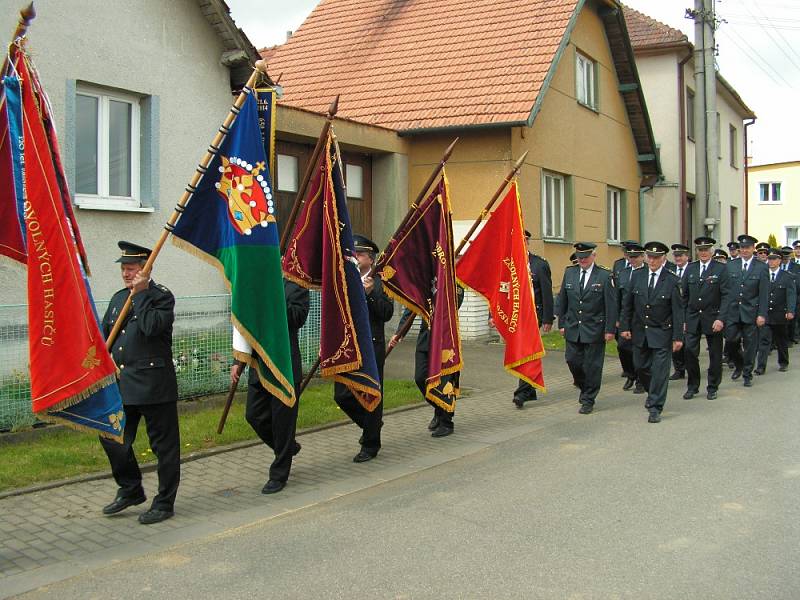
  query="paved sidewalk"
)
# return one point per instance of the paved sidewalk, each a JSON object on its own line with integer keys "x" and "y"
{"x": 55, "y": 534}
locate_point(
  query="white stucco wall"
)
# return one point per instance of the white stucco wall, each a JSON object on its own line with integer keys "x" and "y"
{"x": 148, "y": 47}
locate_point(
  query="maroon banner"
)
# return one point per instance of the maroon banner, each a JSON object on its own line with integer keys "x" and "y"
{"x": 418, "y": 270}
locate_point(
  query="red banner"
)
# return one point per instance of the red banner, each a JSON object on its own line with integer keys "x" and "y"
{"x": 495, "y": 266}
{"x": 69, "y": 361}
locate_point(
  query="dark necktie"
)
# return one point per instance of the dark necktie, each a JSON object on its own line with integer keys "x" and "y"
{"x": 680, "y": 271}
{"x": 583, "y": 278}
{"x": 773, "y": 277}
{"x": 702, "y": 270}
{"x": 652, "y": 282}
{"x": 744, "y": 267}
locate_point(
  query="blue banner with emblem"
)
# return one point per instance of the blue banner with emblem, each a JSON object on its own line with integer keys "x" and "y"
{"x": 266, "y": 98}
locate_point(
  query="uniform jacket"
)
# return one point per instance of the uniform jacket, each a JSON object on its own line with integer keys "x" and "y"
{"x": 655, "y": 317}
{"x": 707, "y": 298}
{"x": 298, "y": 305}
{"x": 782, "y": 297}
{"x": 381, "y": 309}
{"x": 624, "y": 283}
{"x": 586, "y": 315}
{"x": 749, "y": 291}
{"x": 424, "y": 337}
{"x": 619, "y": 265}
{"x": 542, "y": 288}
{"x": 674, "y": 268}
{"x": 143, "y": 349}
{"x": 794, "y": 269}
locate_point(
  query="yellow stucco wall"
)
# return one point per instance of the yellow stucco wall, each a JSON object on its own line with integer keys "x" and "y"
{"x": 779, "y": 218}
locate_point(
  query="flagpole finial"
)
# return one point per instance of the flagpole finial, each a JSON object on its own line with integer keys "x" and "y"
{"x": 261, "y": 65}
{"x": 334, "y": 107}
{"x": 521, "y": 160}
{"x": 449, "y": 150}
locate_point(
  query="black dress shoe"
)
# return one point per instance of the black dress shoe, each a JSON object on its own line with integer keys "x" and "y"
{"x": 273, "y": 486}
{"x": 759, "y": 371}
{"x": 629, "y": 383}
{"x": 711, "y": 395}
{"x": 639, "y": 389}
{"x": 585, "y": 409}
{"x": 748, "y": 382}
{"x": 365, "y": 455}
{"x": 155, "y": 515}
{"x": 518, "y": 402}
{"x": 119, "y": 504}
{"x": 441, "y": 431}
{"x": 736, "y": 374}
{"x": 297, "y": 448}
{"x": 677, "y": 375}
{"x": 689, "y": 394}
{"x": 654, "y": 418}
{"x": 783, "y": 368}
{"x": 433, "y": 424}
{"x": 731, "y": 365}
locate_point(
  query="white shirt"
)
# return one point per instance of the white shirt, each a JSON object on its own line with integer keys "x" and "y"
{"x": 658, "y": 275}
{"x": 746, "y": 264}
{"x": 240, "y": 344}
{"x": 586, "y": 277}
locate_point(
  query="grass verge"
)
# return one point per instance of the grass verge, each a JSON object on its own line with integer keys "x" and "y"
{"x": 67, "y": 453}
{"x": 554, "y": 341}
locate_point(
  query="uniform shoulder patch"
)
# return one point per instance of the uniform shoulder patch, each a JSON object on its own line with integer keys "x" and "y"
{"x": 163, "y": 288}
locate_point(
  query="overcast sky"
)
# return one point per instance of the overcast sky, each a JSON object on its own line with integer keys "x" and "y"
{"x": 759, "y": 54}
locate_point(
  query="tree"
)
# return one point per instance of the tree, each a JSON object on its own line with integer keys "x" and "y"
{"x": 772, "y": 241}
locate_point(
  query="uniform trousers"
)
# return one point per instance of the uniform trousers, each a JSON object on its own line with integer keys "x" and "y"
{"x": 585, "y": 362}
{"x": 625, "y": 351}
{"x": 274, "y": 422}
{"x": 369, "y": 422}
{"x": 161, "y": 421}
{"x": 779, "y": 335}
{"x": 692, "y": 358}
{"x": 679, "y": 361}
{"x": 743, "y": 338}
{"x": 420, "y": 378}
{"x": 652, "y": 368}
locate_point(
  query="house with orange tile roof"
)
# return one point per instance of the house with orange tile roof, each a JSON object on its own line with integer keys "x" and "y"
{"x": 554, "y": 77}
{"x": 666, "y": 69}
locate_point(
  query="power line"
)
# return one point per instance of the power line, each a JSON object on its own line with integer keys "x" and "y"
{"x": 772, "y": 39}
{"x": 752, "y": 55}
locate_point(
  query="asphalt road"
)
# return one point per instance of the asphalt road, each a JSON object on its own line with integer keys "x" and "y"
{"x": 703, "y": 505}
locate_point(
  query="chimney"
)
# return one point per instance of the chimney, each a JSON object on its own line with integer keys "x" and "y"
{"x": 288, "y": 35}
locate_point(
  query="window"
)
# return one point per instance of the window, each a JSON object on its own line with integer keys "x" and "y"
{"x": 734, "y": 225}
{"x": 354, "y": 179}
{"x": 769, "y": 191}
{"x": 585, "y": 89}
{"x": 287, "y": 179}
{"x": 107, "y": 160}
{"x": 553, "y": 206}
{"x": 690, "y": 114}
{"x": 614, "y": 204}
{"x": 734, "y": 144}
{"x": 792, "y": 234}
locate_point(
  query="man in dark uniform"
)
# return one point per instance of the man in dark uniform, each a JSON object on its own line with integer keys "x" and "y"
{"x": 793, "y": 266}
{"x": 762, "y": 250}
{"x": 441, "y": 425}
{"x": 381, "y": 309}
{"x": 680, "y": 252}
{"x": 587, "y": 317}
{"x": 653, "y": 317}
{"x": 733, "y": 250}
{"x": 749, "y": 281}
{"x": 149, "y": 388}
{"x": 782, "y": 306}
{"x": 543, "y": 296}
{"x": 625, "y": 347}
{"x": 273, "y": 421}
{"x": 707, "y": 297}
{"x": 720, "y": 256}
{"x": 624, "y": 262}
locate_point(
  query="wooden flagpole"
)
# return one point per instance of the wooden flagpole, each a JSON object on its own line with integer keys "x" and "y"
{"x": 511, "y": 174}
{"x": 26, "y": 15}
{"x": 191, "y": 188}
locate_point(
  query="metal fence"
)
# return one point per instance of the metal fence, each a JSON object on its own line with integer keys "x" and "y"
{"x": 201, "y": 350}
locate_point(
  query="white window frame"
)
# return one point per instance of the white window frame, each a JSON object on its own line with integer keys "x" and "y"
{"x": 614, "y": 207}
{"x": 103, "y": 200}
{"x": 733, "y": 143}
{"x": 770, "y": 200}
{"x": 550, "y": 204}
{"x": 585, "y": 84}
{"x": 790, "y": 238}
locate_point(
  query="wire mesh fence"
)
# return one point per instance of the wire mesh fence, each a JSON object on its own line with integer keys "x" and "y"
{"x": 201, "y": 350}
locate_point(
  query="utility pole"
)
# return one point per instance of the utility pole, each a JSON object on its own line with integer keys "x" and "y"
{"x": 705, "y": 109}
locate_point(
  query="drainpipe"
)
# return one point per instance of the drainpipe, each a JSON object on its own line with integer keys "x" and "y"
{"x": 682, "y": 144}
{"x": 746, "y": 177}
{"x": 642, "y": 192}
